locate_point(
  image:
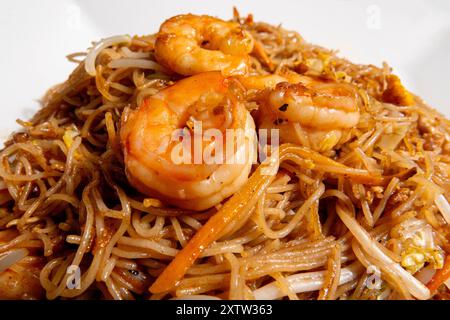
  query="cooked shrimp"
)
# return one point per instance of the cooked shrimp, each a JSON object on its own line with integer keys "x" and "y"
{"x": 150, "y": 150}
{"x": 190, "y": 44}
{"x": 307, "y": 111}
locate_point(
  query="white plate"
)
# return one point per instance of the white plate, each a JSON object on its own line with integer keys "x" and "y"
{"x": 412, "y": 35}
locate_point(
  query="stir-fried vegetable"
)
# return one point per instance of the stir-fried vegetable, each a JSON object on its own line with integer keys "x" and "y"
{"x": 440, "y": 276}
{"x": 241, "y": 204}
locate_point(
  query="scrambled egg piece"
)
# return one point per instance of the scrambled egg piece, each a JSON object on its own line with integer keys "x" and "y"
{"x": 69, "y": 136}
{"x": 418, "y": 246}
{"x": 414, "y": 258}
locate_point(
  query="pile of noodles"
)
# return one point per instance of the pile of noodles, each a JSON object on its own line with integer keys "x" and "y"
{"x": 309, "y": 232}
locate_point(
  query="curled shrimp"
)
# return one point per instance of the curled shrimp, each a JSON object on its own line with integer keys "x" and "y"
{"x": 191, "y": 44}
{"x": 150, "y": 137}
{"x": 307, "y": 111}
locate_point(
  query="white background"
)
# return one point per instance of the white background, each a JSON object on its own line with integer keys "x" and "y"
{"x": 36, "y": 35}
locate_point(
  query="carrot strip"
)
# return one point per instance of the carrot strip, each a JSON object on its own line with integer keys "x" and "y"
{"x": 236, "y": 15}
{"x": 244, "y": 200}
{"x": 259, "y": 51}
{"x": 242, "y": 203}
{"x": 440, "y": 276}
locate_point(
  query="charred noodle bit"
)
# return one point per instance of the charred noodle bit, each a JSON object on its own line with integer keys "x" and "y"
{"x": 363, "y": 183}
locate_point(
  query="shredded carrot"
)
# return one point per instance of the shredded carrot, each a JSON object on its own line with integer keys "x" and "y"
{"x": 241, "y": 203}
{"x": 326, "y": 164}
{"x": 261, "y": 53}
{"x": 440, "y": 276}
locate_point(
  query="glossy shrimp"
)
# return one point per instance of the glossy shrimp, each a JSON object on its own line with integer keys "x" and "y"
{"x": 151, "y": 139}
{"x": 190, "y": 44}
{"x": 307, "y": 111}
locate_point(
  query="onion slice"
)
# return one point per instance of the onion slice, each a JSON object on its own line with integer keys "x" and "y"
{"x": 306, "y": 282}
{"x": 443, "y": 206}
{"x": 426, "y": 274}
{"x": 91, "y": 57}
{"x": 12, "y": 257}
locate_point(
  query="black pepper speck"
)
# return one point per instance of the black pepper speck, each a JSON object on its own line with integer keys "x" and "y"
{"x": 284, "y": 107}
